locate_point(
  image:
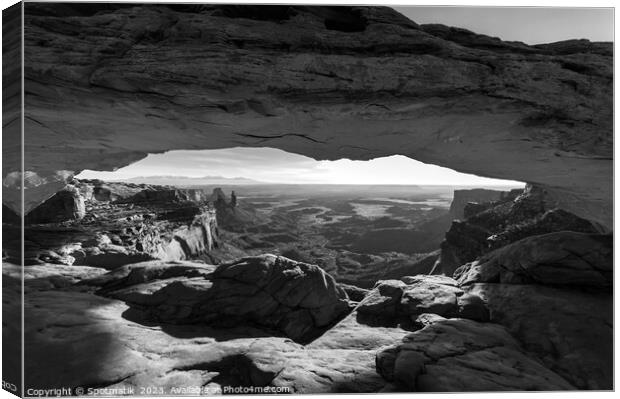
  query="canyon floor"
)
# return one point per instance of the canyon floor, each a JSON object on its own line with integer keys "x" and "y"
{"x": 153, "y": 290}
{"x": 357, "y": 234}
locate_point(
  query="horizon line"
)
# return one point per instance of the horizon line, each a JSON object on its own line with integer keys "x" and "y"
{"x": 263, "y": 183}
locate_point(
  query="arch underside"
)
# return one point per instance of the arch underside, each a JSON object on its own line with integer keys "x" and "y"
{"x": 104, "y": 90}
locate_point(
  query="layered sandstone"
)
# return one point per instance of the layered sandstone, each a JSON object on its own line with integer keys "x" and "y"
{"x": 516, "y": 215}
{"x": 117, "y": 224}
{"x": 327, "y": 82}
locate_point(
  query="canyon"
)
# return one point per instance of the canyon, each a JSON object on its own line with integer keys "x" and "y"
{"x": 136, "y": 285}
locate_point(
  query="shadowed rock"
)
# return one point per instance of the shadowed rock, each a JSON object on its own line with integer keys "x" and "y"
{"x": 563, "y": 258}
{"x": 99, "y": 346}
{"x": 553, "y": 293}
{"x": 499, "y": 223}
{"x": 298, "y": 299}
{"x": 462, "y": 198}
{"x": 65, "y": 205}
{"x": 462, "y": 355}
{"x": 353, "y": 292}
{"x": 569, "y": 330}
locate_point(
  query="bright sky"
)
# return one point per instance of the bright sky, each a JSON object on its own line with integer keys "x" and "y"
{"x": 531, "y": 25}
{"x": 277, "y": 166}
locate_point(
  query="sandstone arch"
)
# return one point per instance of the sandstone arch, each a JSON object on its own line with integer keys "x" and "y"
{"x": 106, "y": 86}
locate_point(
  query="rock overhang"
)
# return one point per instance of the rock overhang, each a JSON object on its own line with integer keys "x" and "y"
{"x": 329, "y": 83}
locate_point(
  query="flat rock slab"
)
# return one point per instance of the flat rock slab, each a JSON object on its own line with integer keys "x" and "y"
{"x": 353, "y": 333}
{"x": 51, "y": 276}
{"x": 75, "y": 338}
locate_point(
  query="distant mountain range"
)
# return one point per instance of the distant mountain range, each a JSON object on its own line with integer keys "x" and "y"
{"x": 181, "y": 181}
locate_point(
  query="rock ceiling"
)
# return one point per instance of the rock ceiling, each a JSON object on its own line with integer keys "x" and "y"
{"x": 106, "y": 86}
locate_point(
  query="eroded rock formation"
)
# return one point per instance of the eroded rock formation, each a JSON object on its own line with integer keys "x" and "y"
{"x": 516, "y": 215}
{"x": 296, "y": 298}
{"x": 355, "y": 82}
{"x": 117, "y": 224}
{"x": 462, "y": 199}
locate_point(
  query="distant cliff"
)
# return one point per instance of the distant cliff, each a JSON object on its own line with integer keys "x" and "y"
{"x": 515, "y": 215}
{"x": 478, "y": 195}
{"x": 108, "y": 225}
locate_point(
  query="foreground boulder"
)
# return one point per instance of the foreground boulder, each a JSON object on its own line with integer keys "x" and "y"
{"x": 569, "y": 330}
{"x": 462, "y": 355}
{"x": 553, "y": 292}
{"x": 297, "y": 299}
